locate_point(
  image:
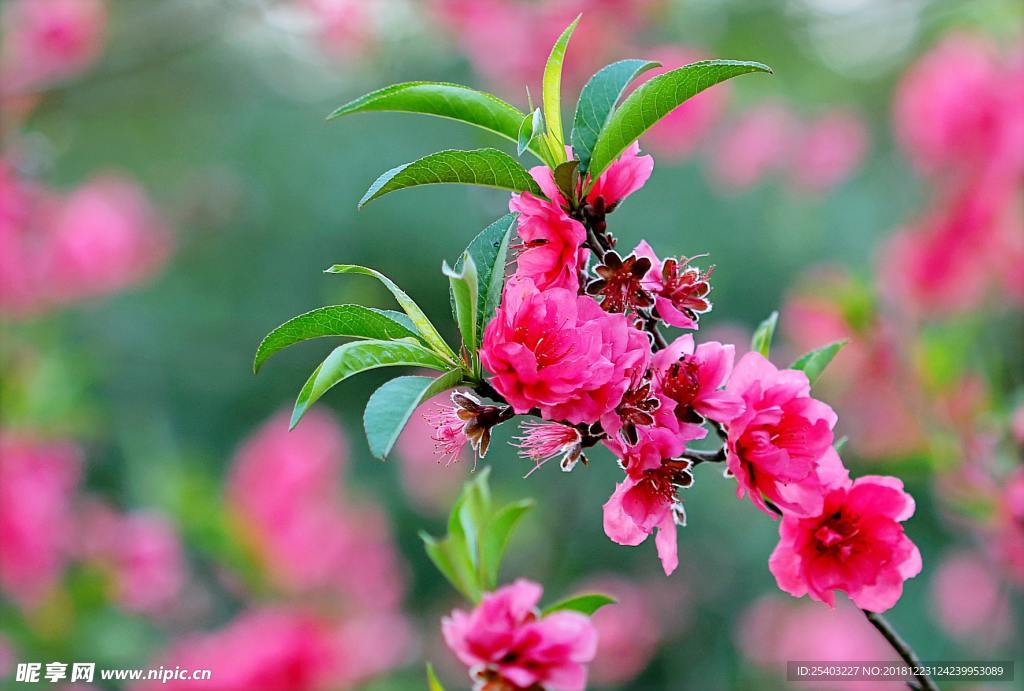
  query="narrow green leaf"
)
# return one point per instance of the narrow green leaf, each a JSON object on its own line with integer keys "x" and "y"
{"x": 597, "y": 101}
{"x": 531, "y": 127}
{"x": 495, "y": 539}
{"x": 352, "y": 358}
{"x": 483, "y": 167}
{"x": 465, "y": 289}
{"x": 489, "y": 251}
{"x": 354, "y": 321}
{"x": 654, "y": 100}
{"x": 552, "y": 91}
{"x": 453, "y": 565}
{"x": 423, "y": 325}
{"x": 441, "y": 99}
{"x": 814, "y": 363}
{"x": 433, "y": 684}
{"x": 585, "y": 604}
{"x": 391, "y": 406}
{"x": 763, "y": 335}
{"x": 457, "y": 554}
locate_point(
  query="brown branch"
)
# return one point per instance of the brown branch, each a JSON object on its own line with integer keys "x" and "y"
{"x": 901, "y": 647}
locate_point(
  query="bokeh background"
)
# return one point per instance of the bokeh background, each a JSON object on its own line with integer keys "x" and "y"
{"x": 171, "y": 192}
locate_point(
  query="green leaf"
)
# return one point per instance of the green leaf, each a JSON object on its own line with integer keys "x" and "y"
{"x": 433, "y": 684}
{"x": 465, "y": 289}
{"x": 451, "y": 561}
{"x": 495, "y": 539}
{"x": 566, "y": 178}
{"x": 423, "y": 325}
{"x": 762, "y": 339}
{"x": 531, "y": 127}
{"x": 489, "y": 251}
{"x": 840, "y": 443}
{"x": 391, "y": 406}
{"x": 814, "y": 363}
{"x": 354, "y": 321}
{"x": 654, "y": 100}
{"x": 597, "y": 101}
{"x": 441, "y": 99}
{"x": 585, "y": 604}
{"x": 352, "y": 358}
{"x": 484, "y": 167}
{"x": 552, "y": 92}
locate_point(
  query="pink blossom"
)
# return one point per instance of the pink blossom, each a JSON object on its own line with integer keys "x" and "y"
{"x": 628, "y": 633}
{"x": 693, "y": 378}
{"x": 505, "y": 640}
{"x": 279, "y": 649}
{"x": 637, "y": 507}
{"x": 45, "y": 41}
{"x": 774, "y": 631}
{"x": 960, "y": 107}
{"x": 665, "y": 439}
{"x": 680, "y": 289}
{"x": 757, "y": 143}
{"x": 968, "y": 600}
{"x": 855, "y": 544}
{"x": 345, "y": 27}
{"x": 23, "y": 208}
{"x": 628, "y": 173}
{"x": 141, "y": 551}
{"x": 1010, "y": 525}
{"x": 449, "y": 432}
{"x": 679, "y": 133}
{"x": 561, "y": 353}
{"x": 541, "y": 442}
{"x": 105, "y": 237}
{"x": 828, "y": 150}
{"x": 551, "y": 254}
{"x": 37, "y": 483}
{"x": 780, "y": 447}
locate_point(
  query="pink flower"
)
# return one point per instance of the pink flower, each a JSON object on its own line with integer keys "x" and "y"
{"x": 449, "y": 432}
{"x": 552, "y": 255}
{"x": 636, "y": 508}
{"x": 541, "y": 442}
{"x": 279, "y": 649}
{"x": 37, "y": 484}
{"x": 828, "y": 150}
{"x": 628, "y": 173}
{"x": 774, "y": 631}
{"x": 959, "y": 108}
{"x": 106, "y": 236}
{"x": 561, "y": 353}
{"x": 45, "y": 41}
{"x": 780, "y": 446}
{"x": 345, "y": 27}
{"x": 1010, "y": 525}
{"x": 679, "y": 133}
{"x": 680, "y": 289}
{"x": 757, "y": 143}
{"x": 505, "y": 640}
{"x": 969, "y": 602}
{"x": 854, "y": 544}
{"x": 23, "y": 209}
{"x": 693, "y": 379}
{"x": 664, "y": 439}
{"x": 142, "y": 553}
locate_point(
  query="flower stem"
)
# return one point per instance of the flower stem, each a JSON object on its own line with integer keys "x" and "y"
{"x": 924, "y": 681}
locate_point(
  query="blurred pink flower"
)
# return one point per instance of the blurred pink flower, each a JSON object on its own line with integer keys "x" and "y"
{"x": 628, "y": 633}
{"x": 7, "y": 657}
{"x": 561, "y": 353}
{"x": 105, "y": 237}
{"x": 757, "y": 143}
{"x": 1010, "y": 525}
{"x": 46, "y": 40}
{"x": 854, "y": 544}
{"x": 780, "y": 446}
{"x": 284, "y": 488}
{"x": 828, "y": 150}
{"x": 506, "y": 642}
{"x": 23, "y": 208}
{"x": 961, "y": 107}
{"x": 287, "y": 650}
{"x": 37, "y": 484}
{"x": 345, "y": 27}
{"x": 142, "y": 552}
{"x": 680, "y": 132}
{"x": 968, "y": 602}
{"x": 774, "y": 631}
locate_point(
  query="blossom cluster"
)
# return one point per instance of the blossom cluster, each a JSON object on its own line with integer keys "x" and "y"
{"x": 573, "y": 344}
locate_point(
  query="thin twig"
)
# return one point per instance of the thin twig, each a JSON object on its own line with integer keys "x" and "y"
{"x": 902, "y": 648}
